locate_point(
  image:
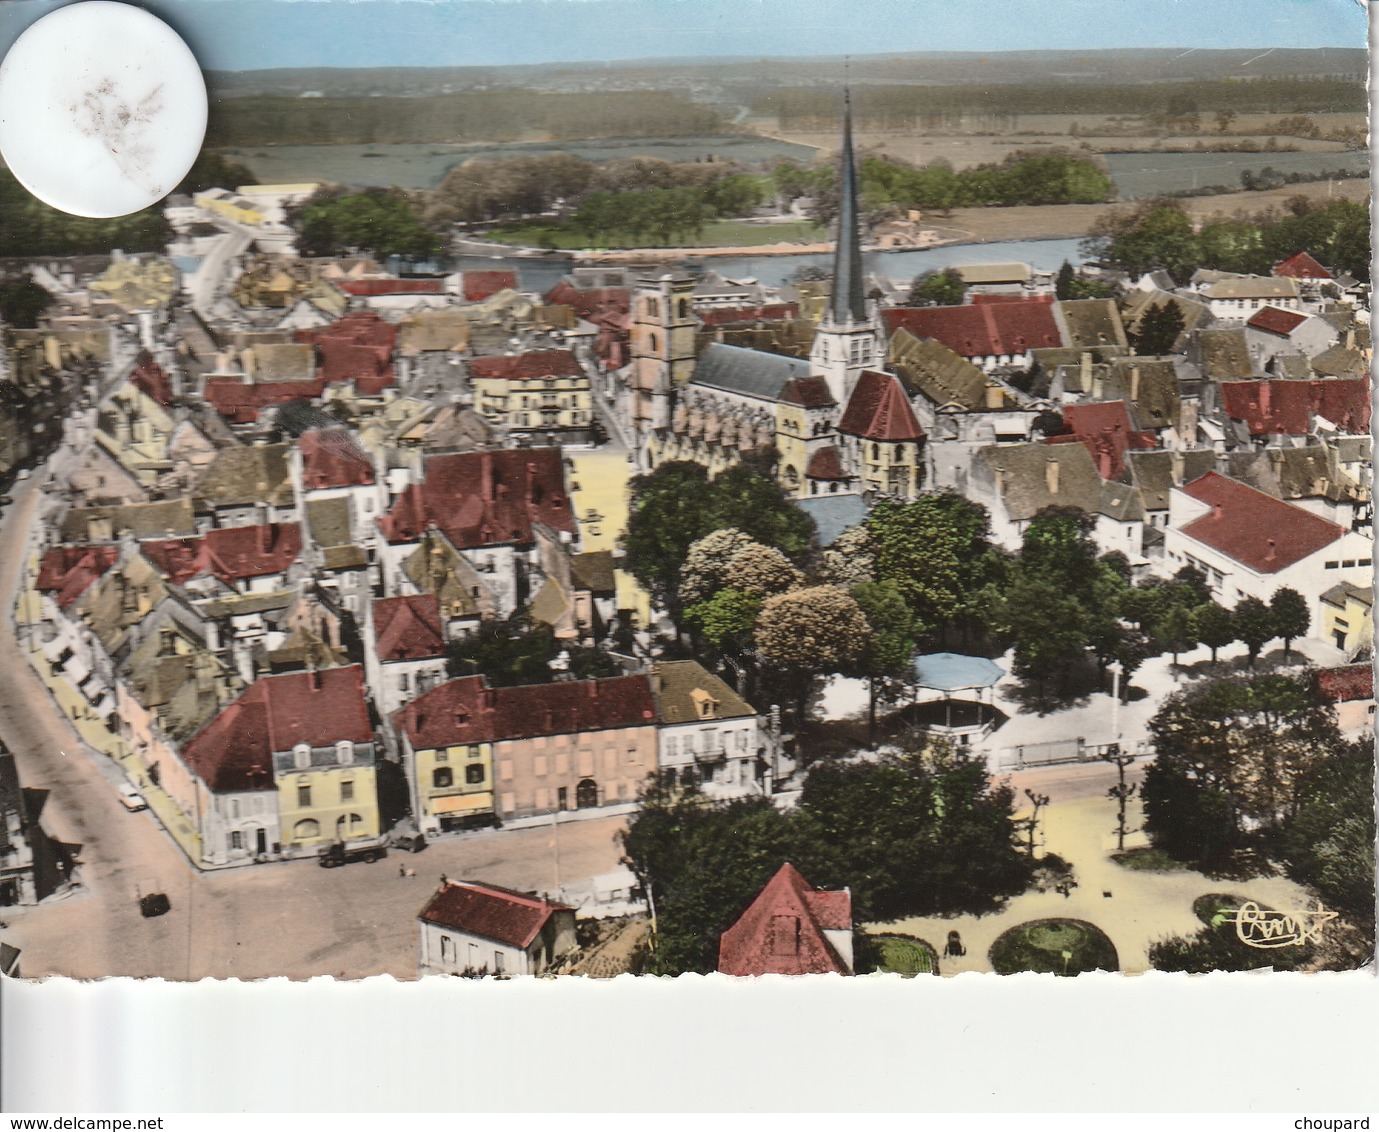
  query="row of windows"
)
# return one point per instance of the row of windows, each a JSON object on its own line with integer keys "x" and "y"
{"x": 307, "y": 828}
{"x": 304, "y": 793}
{"x": 474, "y": 960}
{"x": 1349, "y": 563}
{"x": 709, "y": 741}
{"x": 301, "y": 754}
{"x": 443, "y": 777}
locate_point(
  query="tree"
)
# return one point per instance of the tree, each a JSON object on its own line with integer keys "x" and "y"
{"x": 1217, "y": 947}
{"x": 1327, "y": 843}
{"x": 762, "y": 571}
{"x": 1120, "y": 793}
{"x": 726, "y": 619}
{"x": 752, "y": 501}
{"x": 1159, "y": 329}
{"x": 1291, "y": 619}
{"x": 506, "y": 652}
{"x": 1157, "y": 233}
{"x": 1174, "y": 629}
{"x": 811, "y": 632}
{"x": 1063, "y": 285}
{"x": 670, "y": 510}
{"x": 937, "y": 549}
{"x": 1231, "y": 755}
{"x": 1254, "y": 625}
{"x": 937, "y": 288}
{"x": 1214, "y": 625}
{"x": 22, "y": 301}
{"x": 920, "y": 834}
{"x": 382, "y": 221}
{"x": 705, "y": 568}
{"x": 892, "y": 643}
{"x": 849, "y": 561}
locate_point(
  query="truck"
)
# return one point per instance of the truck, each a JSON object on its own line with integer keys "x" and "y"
{"x": 343, "y": 852}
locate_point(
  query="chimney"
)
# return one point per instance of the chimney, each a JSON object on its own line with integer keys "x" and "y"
{"x": 265, "y": 538}
{"x": 1085, "y": 367}
{"x": 1216, "y": 512}
{"x": 1104, "y": 460}
{"x": 313, "y": 678}
{"x": 1051, "y": 472}
{"x": 1350, "y": 339}
{"x": 1134, "y": 383}
{"x": 1265, "y": 397}
{"x": 1271, "y": 555}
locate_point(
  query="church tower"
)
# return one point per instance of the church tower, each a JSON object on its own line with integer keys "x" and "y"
{"x": 662, "y": 333}
{"x": 849, "y": 339}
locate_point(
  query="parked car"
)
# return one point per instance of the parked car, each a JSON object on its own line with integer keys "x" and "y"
{"x": 409, "y": 842}
{"x": 130, "y": 798}
{"x": 342, "y": 852}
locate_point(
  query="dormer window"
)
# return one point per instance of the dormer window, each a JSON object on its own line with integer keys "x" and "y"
{"x": 301, "y": 756}
{"x": 344, "y": 752}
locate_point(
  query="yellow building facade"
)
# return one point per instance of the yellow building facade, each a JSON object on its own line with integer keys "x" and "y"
{"x": 320, "y": 804}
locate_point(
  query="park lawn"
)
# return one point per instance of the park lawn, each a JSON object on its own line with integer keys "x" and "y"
{"x": 900, "y": 955}
{"x": 716, "y": 234}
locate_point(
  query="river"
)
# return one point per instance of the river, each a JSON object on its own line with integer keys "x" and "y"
{"x": 902, "y": 266}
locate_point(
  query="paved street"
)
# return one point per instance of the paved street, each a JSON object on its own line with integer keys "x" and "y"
{"x": 292, "y": 919}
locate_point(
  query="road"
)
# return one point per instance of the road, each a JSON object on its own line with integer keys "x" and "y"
{"x": 291, "y": 918}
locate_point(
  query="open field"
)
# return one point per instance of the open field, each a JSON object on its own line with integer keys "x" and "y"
{"x": 993, "y": 142}
{"x": 1048, "y": 221}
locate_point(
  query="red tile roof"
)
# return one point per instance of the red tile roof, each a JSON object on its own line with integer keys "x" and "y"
{"x": 367, "y": 287}
{"x": 1300, "y": 265}
{"x": 1276, "y": 320}
{"x": 1345, "y": 684}
{"x": 480, "y": 285}
{"x": 588, "y": 301}
{"x": 332, "y": 458}
{"x": 811, "y": 392}
{"x": 825, "y": 464}
{"x": 879, "y": 410}
{"x": 981, "y": 329}
{"x": 527, "y": 367}
{"x": 69, "y": 571}
{"x": 234, "y": 751}
{"x": 1287, "y": 407}
{"x": 766, "y": 312}
{"x": 151, "y": 380}
{"x": 408, "y": 628}
{"x": 484, "y": 498}
{"x": 1104, "y": 429}
{"x": 466, "y": 711}
{"x": 1260, "y": 532}
{"x": 230, "y": 553}
{"x": 358, "y": 348}
{"x": 978, "y": 299}
{"x": 782, "y": 930}
{"x": 488, "y": 912}
{"x": 241, "y": 403}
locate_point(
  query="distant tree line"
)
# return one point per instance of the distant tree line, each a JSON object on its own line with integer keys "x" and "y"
{"x": 507, "y": 115}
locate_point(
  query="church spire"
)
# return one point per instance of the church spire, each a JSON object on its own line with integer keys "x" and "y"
{"x": 849, "y": 300}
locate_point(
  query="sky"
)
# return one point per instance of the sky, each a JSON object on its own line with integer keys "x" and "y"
{"x": 254, "y": 34}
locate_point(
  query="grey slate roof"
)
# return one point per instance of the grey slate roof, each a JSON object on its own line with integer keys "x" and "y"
{"x": 1021, "y": 472}
{"x": 1121, "y": 501}
{"x": 747, "y": 372}
{"x": 833, "y": 514}
{"x": 1156, "y": 473}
